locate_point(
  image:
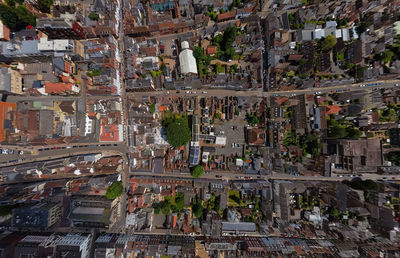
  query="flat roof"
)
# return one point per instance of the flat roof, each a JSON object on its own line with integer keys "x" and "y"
{"x": 239, "y": 226}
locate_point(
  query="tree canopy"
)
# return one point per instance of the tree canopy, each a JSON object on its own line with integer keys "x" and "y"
{"x": 16, "y": 17}
{"x": 152, "y": 108}
{"x": 364, "y": 185}
{"x": 198, "y": 53}
{"x": 386, "y": 56}
{"x": 309, "y": 144}
{"x": 93, "y": 16}
{"x": 328, "y": 43}
{"x": 394, "y": 157}
{"x": 114, "y": 190}
{"x": 45, "y": 5}
{"x": 177, "y": 128}
{"x": 362, "y": 25}
{"x": 170, "y": 203}
{"x": 197, "y": 207}
{"x": 228, "y": 38}
{"x": 252, "y": 119}
{"x": 342, "y": 129}
{"x": 197, "y": 171}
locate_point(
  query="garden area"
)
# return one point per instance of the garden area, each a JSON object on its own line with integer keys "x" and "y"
{"x": 234, "y": 199}
{"x": 15, "y": 16}
{"x": 177, "y": 129}
{"x": 114, "y": 190}
{"x": 366, "y": 186}
{"x": 225, "y": 51}
{"x": 170, "y": 204}
{"x": 213, "y": 204}
{"x": 197, "y": 207}
{"x": 394, "y": 157}
{"x": 197, "y": 171}
{"x": 389, "y": 114}
{"x": 308, "y": 143}
{"x": 342, "y": 129}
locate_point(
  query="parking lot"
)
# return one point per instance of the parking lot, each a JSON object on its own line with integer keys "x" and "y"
{"x": 235, "y": 137}
{"x": 168, "y": 48}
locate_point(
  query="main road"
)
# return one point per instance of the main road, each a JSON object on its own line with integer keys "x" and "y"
{"x": 258, "y": 93}
{"x": 232, "y": 176}
{"x": 39, "y": 153}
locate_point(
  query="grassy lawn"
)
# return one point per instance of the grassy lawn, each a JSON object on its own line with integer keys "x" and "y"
{"x": 220, "y": 69}
{"x": 340, "y": 56}
{"x": 387, "y": 115}
{"x": 234, "y": 199}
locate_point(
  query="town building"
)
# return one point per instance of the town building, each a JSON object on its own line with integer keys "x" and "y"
{"x": 41, "y": 215}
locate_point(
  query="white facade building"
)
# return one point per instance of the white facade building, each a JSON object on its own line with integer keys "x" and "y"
{"x": 187, "y": 60}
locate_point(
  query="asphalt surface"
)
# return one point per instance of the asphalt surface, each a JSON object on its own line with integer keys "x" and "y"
{"x": 260, "y": 93}
{"x": 232, "y": 176}
{"x": 59, "y": 151}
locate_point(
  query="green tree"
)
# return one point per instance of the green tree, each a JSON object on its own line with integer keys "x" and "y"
{"x": 337, "y": 132}
{"x": 362, "y": 25}
{"x": 211, "y": 13}
{"x": 217, "y": 40}
{"x": 353, "y": 132}
{"x": 157, "y": 208}
{"x": 328, "y": 43}
{"x": 8, "y": 16}
{"x": 198, "y": 53}
{"x": 233, "y": 69}
{"x": 178, "y": 131}
{"x": 342, "y": 22}
{"x": 197, "y": 171}
{"x": 366, "y": 185}
{"x": 45, "y": 5}
{"x": 93, "y": 73}
{"x": 10, "y": 3}
{"x": 236, "y": 4}
{"x": 197, "y": 207}
{"x": 179, "y": 201}
{"x": 7, "y": 209}
{"x": 165, "y": 207}
{"x": 394, "y": 157}
{"x": 93, "y": 16}
{"x": 309, "y": 143}
{"x": 16, "y": 17}
{"x": 386, "y": 56}
{"x": 252, "y": 119}
{"x": 114, "y": 190}
{"x": 302, "y": 61}
{"x": 230, "y": 52}
{"x": 229, "y": 37}
{"x": 152, "y": 108}
{"x": 335, "y": 213}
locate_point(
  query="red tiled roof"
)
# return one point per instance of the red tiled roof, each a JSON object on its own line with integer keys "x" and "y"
{"x": 6, "y": 32}
{"x": 65, "y": 79}
{"x": 5, "y": 108}
{"x": 162, "y": 108}
{"x": 211, "y": 50}
{"x": 109, "y": 133}
{"x": 295, "y": 57}
{"x": 281, "y": 100}
{"x": 256, "y": 136}
{"x": 333, "y": 109}
{"x": 227, "y": 15}
{"x": 58, "y": 87}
